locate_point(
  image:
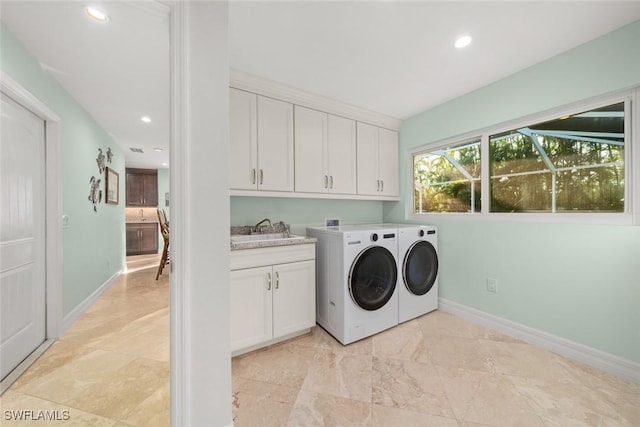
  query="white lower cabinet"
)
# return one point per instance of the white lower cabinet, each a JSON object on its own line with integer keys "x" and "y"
{"x": 273, "y": 300}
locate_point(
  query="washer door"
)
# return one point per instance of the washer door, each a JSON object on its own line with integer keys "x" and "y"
{"x": 420, "y": 268}
{"x": 373, "y": 278}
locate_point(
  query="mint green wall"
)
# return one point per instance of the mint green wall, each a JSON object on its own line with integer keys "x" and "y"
{"x": 93, "y": 243}
{"x": 301, "y": 213}
{"x": 163, "y": 187}
{"x": 579, "y": 282}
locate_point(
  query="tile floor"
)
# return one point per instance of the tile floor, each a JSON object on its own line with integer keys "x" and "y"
{"x": 111, "y": 369}
{"x": 437, "y": 370}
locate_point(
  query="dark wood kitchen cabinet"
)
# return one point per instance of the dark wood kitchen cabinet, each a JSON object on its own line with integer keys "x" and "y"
{"x": 142, "y": 187}
{"x": 142, "y": 238}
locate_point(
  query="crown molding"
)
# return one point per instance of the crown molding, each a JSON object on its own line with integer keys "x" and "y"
{"x": 251, "y": 83}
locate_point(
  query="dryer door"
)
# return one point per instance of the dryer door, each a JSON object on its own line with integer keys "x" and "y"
{"x": 420, "y": 268}
{"x": 373, "y": 277}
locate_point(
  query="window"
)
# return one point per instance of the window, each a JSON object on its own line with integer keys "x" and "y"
{"x": 448, "y": 180}
{"x": 571, "y": 164}
{"x": 574, "y": 163}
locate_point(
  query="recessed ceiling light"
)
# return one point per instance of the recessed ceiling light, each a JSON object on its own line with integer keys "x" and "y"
{"x": 146, "y": 119}
{"x": 96, "y": 14}
{"x": 462, "y": 41}
{"x": 165, "y": 164}
{"x": 158, "y": 149}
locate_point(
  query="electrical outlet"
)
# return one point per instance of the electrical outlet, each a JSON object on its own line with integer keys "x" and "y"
{"x": 331, "y": 222}
{"x": 492, "y": 285}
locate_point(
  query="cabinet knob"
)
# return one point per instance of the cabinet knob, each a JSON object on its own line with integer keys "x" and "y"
{"x": 277, "y": 280}
{"x": 382, "y": 185}
{"x": 261, "y": 176}
{"x": 268, "y": 281}
{"x": 326, "y": 181}
{"x": 330, "y": 181}
{"x": 253, "y": 176}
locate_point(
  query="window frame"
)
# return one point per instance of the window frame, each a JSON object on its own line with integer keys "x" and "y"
{"x": 631, "y": 213}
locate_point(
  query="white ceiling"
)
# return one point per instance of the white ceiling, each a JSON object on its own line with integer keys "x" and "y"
{"x": 394, "y": 58}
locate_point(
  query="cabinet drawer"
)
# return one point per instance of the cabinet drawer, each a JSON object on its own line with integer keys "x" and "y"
{"x": 249, "y": 258}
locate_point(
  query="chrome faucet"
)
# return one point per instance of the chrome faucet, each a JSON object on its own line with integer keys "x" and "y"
{"x": 285, "y": 228}
{"x": 256, "y": 227}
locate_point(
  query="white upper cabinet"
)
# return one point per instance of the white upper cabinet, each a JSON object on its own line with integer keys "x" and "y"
{"x": 325, "y": 152}
{"x": 261, "y": 142}
{"x": 341, "y": 154}
{"x": 275, "y": 145}
{"x": 244, "y": 139}
{"x": 388, "y": 162}
{"x": 377, "y": 164}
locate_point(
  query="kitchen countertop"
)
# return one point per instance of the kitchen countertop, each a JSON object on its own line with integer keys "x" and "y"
{"x": 235, "y": 246}
{"x": 141, "y": 222}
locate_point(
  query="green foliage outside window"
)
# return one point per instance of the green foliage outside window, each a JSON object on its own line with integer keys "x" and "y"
{"x": 570, "y": 164}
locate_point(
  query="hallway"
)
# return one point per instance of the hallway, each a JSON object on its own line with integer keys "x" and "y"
{"x": 111, "y": 368}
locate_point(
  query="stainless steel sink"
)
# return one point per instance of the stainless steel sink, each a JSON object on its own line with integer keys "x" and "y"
{"x": 251, "y": 238}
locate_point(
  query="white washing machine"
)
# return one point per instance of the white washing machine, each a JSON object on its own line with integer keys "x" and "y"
{"x": 357, "y": 280}
{"x": 418, "y": 266}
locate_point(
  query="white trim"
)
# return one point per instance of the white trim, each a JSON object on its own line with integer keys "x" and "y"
{"x": 631, "y": 216}
{"x": 53, "y": 195}
{"x": 295, "y": 195}
{"x": 81, "y": 308}
{"x": 251, "y": 83}
{"x": 532, "y": 218}
{"x": 178, "y": 186}
{"x": 621, "y": 367}
{"x": 634, "y": 155}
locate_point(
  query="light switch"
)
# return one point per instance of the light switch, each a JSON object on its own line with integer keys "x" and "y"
{"x": 65, "y": 221}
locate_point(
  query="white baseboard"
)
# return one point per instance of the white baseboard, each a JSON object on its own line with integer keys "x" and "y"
{"x": 79, "y": 310}
{"x": 618, "y": 366}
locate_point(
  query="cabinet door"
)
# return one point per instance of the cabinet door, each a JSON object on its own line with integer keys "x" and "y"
{"x": 275, "y": 145}
{"x": 310, "y": 150}
{"x": 294, "y": 297}
{"x": 367, "y": 143}
{"x": 388, "y": 162}
{"x": 135, "y": 189}
{"x": 150, "y": 196}
{"x": 244, "y": 140}
{"x": 251, "y": 308}
{"x": 148, "y": 238}
{"x": 133, "y": 240}
{"x": 341, "y": 154}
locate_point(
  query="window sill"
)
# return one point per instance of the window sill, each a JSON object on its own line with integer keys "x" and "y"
{"x": 535, "y": 218}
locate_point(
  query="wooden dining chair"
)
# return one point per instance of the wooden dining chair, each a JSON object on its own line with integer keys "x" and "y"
{"x": 164, "y": 230}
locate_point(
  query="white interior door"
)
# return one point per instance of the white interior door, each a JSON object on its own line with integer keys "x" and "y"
{"x": 22, "y": 234}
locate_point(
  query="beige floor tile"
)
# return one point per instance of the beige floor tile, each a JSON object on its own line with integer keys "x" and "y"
{"x": 284, "y": 364}
{"x": 561, "y": 404}
{"x": 314, "y": 409}
{"x": 526, "y": 360}
{"x": 21, "y": 410}
{"x": 60, "y": 353}
{"x": 154, "y": 411}
{"x": 382, "y": 416}
{"x": 405, "y": 342}
{"x": 460, "y": 386}
{"x": 409, "y": 385}
{"x": 340, "y": 374}
{"x": 457, "y": 352}
{"x": 93, "y": 369}
{"x": 442, "y": 323}
{"x": 126, "y": 389}
{"x": 496, "y": 402}
{"x": 256, "y": 403}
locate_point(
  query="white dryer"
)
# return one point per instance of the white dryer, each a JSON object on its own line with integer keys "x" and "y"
{"x": 357, "y": 280}
{"x": 418, "y": 266}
